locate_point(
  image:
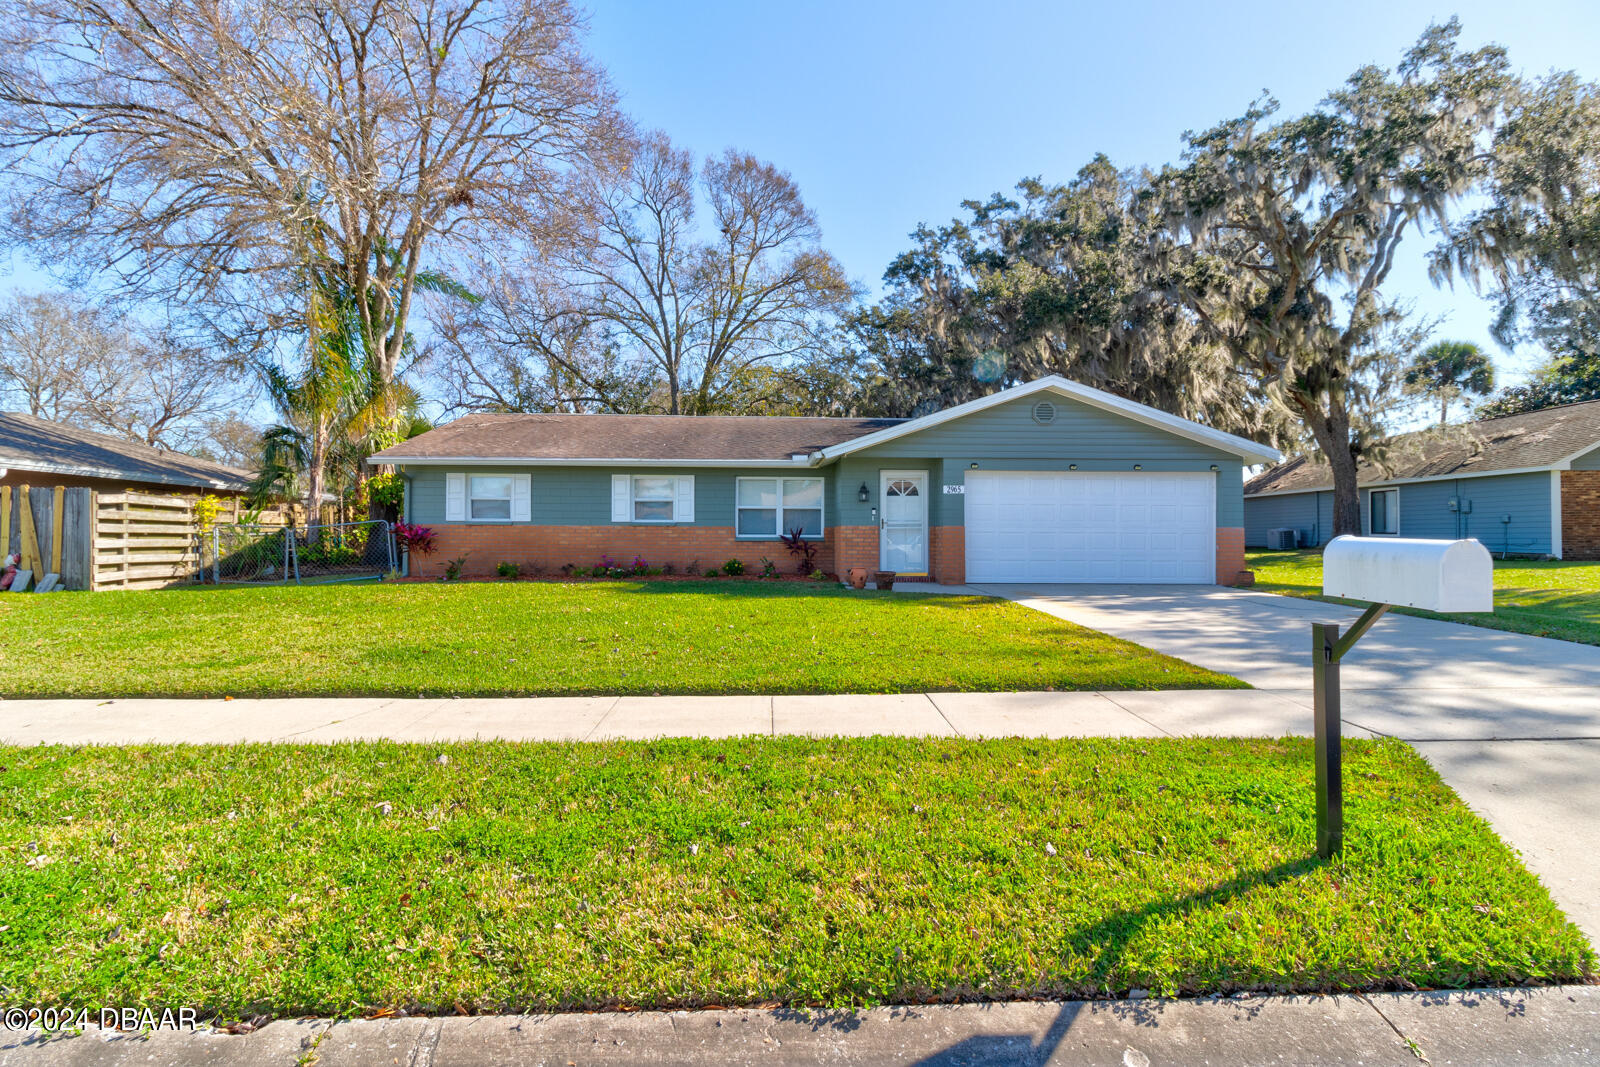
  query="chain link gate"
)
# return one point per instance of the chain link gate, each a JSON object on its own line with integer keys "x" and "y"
{"x": 322, "y": 552}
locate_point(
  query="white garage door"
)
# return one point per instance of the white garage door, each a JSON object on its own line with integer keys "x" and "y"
{"x": 1090, "y": 527}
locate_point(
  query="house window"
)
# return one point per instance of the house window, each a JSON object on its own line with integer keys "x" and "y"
{"x": 772, "y": 507}
{"x": 1383, "y": 509}
{"x": 652, "y": 498}
{"x": 489, "y": 497}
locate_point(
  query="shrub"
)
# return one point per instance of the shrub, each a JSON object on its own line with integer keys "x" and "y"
{"x": 386, "y": 490}
{"x": 507, "y": 570}
{"x": 769, "y": 569}
{"x": 819, "y": 575}
{"x": 712, "y": 572}
{"x": 419, "y": 539}
{"x": 452, "y": 569}
{"x": 692, "y": 567}
{"x": 733, "y": 566}
{"x": 569, "y": 569}
{"x": 797, "y": 545}
{"x": 640, "y": 566}
{"x": 667, "y": 568}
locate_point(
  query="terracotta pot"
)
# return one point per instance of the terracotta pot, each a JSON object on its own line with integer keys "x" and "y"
{"x": 857, "y": 577}
{"x": 883, "y": 579}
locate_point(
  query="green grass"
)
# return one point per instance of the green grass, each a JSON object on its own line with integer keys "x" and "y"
{"x": 510, "y": 639}
{"x": 818, "y": 872}
{"x": 1546, "y": 598}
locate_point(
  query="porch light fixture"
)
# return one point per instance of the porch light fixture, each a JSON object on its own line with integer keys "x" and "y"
{"x": 974, "y": 466}
{"x": 863, "y": 494}
{"x": 1138, "y": 466}
{"x": 1215, "y": 467}
{"x": 1072, "y": 466}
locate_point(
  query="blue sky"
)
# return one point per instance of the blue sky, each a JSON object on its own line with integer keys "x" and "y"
{"x": 891, "y": 113}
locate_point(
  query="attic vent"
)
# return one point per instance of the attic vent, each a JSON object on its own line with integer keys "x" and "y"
{"x": 1044, "y": 412}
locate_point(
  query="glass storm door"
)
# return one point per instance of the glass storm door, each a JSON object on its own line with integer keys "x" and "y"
{"x": 903, "y": 525}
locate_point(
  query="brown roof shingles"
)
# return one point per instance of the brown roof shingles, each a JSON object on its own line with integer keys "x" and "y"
{"x": 653, "y": 437}
{"x": 1533, "y": 439}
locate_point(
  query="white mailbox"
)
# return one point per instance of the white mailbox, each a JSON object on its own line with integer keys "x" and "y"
{"x": 1445, "y": 576}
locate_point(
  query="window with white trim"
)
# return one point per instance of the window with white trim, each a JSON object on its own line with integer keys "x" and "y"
{"x": 774, "y": 507}
{"x": 489, "y": 497}
{"x": 1383, "y": 511}
{"x": 652, "y": 498}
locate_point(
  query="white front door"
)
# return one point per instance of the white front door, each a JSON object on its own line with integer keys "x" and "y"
{"x": 903, "y": 524}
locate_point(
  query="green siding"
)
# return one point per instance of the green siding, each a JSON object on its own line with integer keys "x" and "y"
{"x": 581, "y": 496}
{"x": 1006, "y": 438}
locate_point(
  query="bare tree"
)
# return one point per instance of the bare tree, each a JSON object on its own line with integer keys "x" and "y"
{"x": 526, "y": 342}
{"x": 704, "y": 312}
{"x": 71, "y": 362}
{"x": 232, "y": 152}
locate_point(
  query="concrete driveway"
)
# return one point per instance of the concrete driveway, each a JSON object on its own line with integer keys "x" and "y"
{"x": 1511, "y": 722}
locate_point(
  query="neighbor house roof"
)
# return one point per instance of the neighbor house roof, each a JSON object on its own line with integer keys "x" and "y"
{"x": 1547, "y": 439}
{"x": 33, "y": 444}
{"x": 741, "y": 440}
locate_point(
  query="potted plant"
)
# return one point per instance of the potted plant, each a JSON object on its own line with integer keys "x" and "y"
{"x": 857, "y": 577}
{"x": 883, "y": 579}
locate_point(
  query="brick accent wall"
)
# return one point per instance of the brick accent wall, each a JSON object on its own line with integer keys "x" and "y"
{"x": 854, "y": 546}
{"x": 1230, "y": 554}
{"x": 552, "y": 546}
{"x": 947, "y": 546}
{"x": 1580, "y": 514}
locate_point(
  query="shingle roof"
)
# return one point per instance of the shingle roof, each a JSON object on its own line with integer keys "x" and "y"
{"x": 33, "y": 444}
{"x": 1533, "y": 439}
{"x": 655, "y": 437}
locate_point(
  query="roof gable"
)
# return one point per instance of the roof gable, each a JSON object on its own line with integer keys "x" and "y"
{"x": 1055, "y": 385}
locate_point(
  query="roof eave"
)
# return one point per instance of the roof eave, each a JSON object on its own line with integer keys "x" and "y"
{"x": 585, "y": 461}
{"x": 114, "y": 474}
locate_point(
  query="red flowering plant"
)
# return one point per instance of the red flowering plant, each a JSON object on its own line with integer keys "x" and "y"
{"x": 418, "y": 539}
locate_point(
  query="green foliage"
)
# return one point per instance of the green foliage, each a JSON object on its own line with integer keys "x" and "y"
{"x": 807, "y": 872}
{"x": 769, "y": 569}
{"x": 1450, "y": 369}
{"x": 712, "y": 572}
{"x": 734, "y": 567}
{"x": 386, "y": 490}
{"x": 508, "y": 570}
{"x": 452, "y": 568}
{"x": 1565, "y": 379}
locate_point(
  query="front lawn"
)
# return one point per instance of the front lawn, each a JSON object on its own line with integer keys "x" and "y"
{"x": 530, "y": 638}
{"x": 1546, "y": 598}
{"x": 339, "y": 880}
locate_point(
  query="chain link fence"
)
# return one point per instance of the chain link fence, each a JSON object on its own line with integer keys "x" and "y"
{"x": 244, "y": 554}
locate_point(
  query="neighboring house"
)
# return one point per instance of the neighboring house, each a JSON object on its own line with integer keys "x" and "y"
{"x": 1524, "y": 484}
{"x": 39, "y": 452}
{"x": 1048, "y": 481}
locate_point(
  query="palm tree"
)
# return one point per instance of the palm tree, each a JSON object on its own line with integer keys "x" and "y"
{"x": 1446, "y": 370}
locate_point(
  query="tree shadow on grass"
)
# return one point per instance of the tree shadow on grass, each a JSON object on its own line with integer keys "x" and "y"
{"x": 1111, "y": 936}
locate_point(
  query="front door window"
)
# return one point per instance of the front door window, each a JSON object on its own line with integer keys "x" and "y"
{"x": 903, "y": 537}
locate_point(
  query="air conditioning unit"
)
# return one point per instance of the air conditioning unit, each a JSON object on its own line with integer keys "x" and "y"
{"x": 1281, "y": 539}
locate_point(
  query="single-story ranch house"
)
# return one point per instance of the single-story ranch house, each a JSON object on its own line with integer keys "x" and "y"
{"x": 1525, "y": 484}
{"x": 1048, "y": 481}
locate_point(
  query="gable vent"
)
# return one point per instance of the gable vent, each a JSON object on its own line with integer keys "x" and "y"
{"x": 1044, "y": 412}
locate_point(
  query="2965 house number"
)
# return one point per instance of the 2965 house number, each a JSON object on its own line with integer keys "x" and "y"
{"x": 955, "y": 490}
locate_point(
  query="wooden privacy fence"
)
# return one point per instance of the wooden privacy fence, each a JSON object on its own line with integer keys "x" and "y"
{"x": 122, "y": 540}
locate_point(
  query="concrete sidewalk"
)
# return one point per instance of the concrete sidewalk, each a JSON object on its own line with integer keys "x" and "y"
{"x": 1240, "y": 712}
{"x": 1484, "y": 1029}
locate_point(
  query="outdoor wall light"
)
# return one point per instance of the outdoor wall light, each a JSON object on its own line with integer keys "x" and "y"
{"x": 1072, "y": 466}
{"x": 974, "y": 466}
{"x": 863, "y": 494}
{"x": 1138, "y": 466}
{"x": 1215, "y": 467}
